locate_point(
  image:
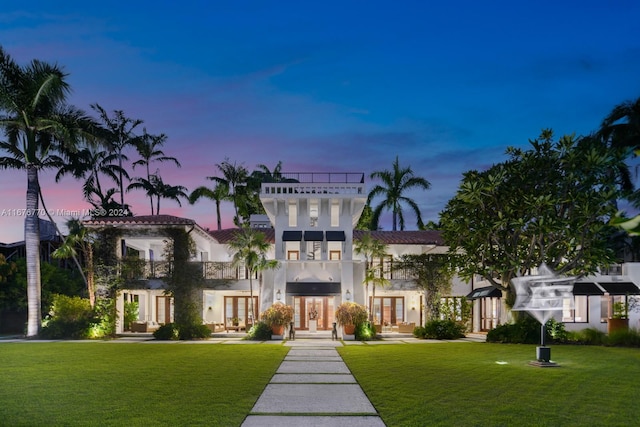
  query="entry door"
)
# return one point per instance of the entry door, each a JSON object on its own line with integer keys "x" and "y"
{"x": 164, "y": 312}
{"x": 315, "y": 308}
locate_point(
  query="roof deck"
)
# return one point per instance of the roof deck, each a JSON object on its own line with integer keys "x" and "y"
{"x": 316, "y": 183}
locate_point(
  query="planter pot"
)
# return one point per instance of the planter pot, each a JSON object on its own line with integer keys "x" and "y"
{"x": 277, "y": 329}
{"x": 349, "y": 329}
{"x": 617, "y": 325}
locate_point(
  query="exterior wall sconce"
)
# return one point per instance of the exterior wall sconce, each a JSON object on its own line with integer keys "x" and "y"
{"x": 348, "y": 295}
{"x": 278, "y": 295}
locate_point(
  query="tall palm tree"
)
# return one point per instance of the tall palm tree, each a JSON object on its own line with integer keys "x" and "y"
{"x": 395, "y": 184}
{"x": 372, "y": 249}
{"x": 148, "y": 150}
{"x": 233, "y": 176}
{"x": 38, "y": 126}
{"x": 120, "y": 135}
{"x": 250, "y": 249}
{"x": 156, "y": 187}
{"x": 90, "y": 164}
{"x": 218, "y": 193}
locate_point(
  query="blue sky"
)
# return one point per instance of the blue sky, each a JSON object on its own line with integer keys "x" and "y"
{"x": 330, "y": 86}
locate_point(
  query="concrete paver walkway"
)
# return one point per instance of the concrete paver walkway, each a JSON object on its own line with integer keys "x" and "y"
{"x": 313, "y": 387}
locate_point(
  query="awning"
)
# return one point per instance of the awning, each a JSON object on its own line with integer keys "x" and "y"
{"x": 586, "y": 288}
{"x": 291, "y": 236}
{"x": 620, "y": 288}
{"x": 486, "y": 292}
{"x": 313, "y": 288}
{"x": 313, "y": 236}
{"x": 335, "y": 236}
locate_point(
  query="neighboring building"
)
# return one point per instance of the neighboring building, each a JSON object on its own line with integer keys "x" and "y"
{"x": 310, "y": 223}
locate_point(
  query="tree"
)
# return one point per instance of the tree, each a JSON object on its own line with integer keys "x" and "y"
{"x": 395, "y": 184}
{"x": 155, "y": 186}
{"x": 364, "y": 222}
{"x": 372, "y": 249}
{"x": 250, "y": 250}
{"x": 218, "y": 193}
{"x": 38, "y": 125}
{"x": 148, "y": 150}
{"x": 432, "y": 273}
{"x": 90, "y": 163}
{"x": 549, "y": 204}
{"x": 79, "y": 237}
{"x": 233, "y": 176}
{"x": 120, "y": 135}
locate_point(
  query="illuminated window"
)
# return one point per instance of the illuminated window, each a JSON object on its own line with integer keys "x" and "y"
{"x": 579, "y": 312}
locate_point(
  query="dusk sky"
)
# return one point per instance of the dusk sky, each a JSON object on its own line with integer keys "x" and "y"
{"x": 331, "y": 86}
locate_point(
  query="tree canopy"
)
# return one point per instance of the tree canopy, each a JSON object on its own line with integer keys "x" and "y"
{"x": 548, "y": 204}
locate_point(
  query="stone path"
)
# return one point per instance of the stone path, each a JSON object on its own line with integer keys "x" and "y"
{"x": 313, "y": 388}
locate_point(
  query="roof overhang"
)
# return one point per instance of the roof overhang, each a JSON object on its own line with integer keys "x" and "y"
{"x": 486, "y": 292}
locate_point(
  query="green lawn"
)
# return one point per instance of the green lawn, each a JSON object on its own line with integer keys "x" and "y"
{"x": 98, "y": 383}
{"x": 461, "y": 384}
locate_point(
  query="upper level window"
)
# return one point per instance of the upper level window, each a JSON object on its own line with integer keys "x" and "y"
{"x": 313, "y": 213}
{"x": 293, "y": 214}
{"x": 335, "y": 214}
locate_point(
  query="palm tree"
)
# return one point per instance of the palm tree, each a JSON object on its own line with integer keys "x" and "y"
{"x": 120, "y": 135}
{"x": 38, "y": 126}
{"x": 79, "y": 238}
{"x": 218, "y": 193}
{"x": 90, "y": 164}
{"x": 394, "y": 184}
{"x": 621, "y": 130}
{"x": 372, "y": 249}
{"x": 155, "y": 186}
{"x": 233, "y": 176}
{"x": 148, "y": 150}
{"x": 250, "y": 249}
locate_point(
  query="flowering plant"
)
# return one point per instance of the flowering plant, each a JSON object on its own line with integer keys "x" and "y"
{"x": 351, "y": 313}
{"x": 278, "y": 314}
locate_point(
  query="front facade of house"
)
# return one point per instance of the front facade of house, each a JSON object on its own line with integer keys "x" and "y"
{"x": 310, "y": 224}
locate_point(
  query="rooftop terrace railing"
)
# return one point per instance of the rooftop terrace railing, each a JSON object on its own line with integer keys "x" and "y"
{"x": 323, "y": 177}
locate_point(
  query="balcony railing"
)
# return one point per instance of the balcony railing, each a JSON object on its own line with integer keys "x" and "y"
{"x": 211, "y": 270}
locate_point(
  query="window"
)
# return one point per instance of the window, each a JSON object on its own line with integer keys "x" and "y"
{"x": 606, "y": 306}
{"x": 580, "y": 311}
{"x": 455, "y": 308}
{"x": 313, "y": 213}
{"x": 388, "y": 310}
{"x": 293, "y": 214}
{"x": 293, "y": 255}
{"x": 334, "y": 255}
{"x": 335, "y": 214}
{"x": 238, "y": 310}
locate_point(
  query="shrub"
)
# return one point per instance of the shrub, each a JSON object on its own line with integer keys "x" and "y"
{"x": 166, "y": 332}
{"x": 589, "y": 336}
{"x": 418, "y": 332}
{"x": 259, "y": 332}
{"x": 624, "y": 338}
{"x": 278, "y": 314}
{"x": 193, "y": 332}
{"x": 444, "y": 329}
{"x": 70, "y": 317}
{"x": 351, "y": 313}
{"x": 365, "y": 331}
{"x": 556, "y": 331}
{"x": 525, "y": 331}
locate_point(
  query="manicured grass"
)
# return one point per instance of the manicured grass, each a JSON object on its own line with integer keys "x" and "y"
{"x": 98, "y": 383}
{"x": 461, "y": 384}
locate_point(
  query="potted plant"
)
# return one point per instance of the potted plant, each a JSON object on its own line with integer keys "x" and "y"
{"x": 235, "y": 321}
{"x": 277, "y": 317}
{"x": 349, "y": 315}
{"x": 620, "y": 318}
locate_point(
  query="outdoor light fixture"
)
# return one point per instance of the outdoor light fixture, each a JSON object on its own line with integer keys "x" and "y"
{"x": 348, "y": 295}
{"x": 278, "y": 295}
